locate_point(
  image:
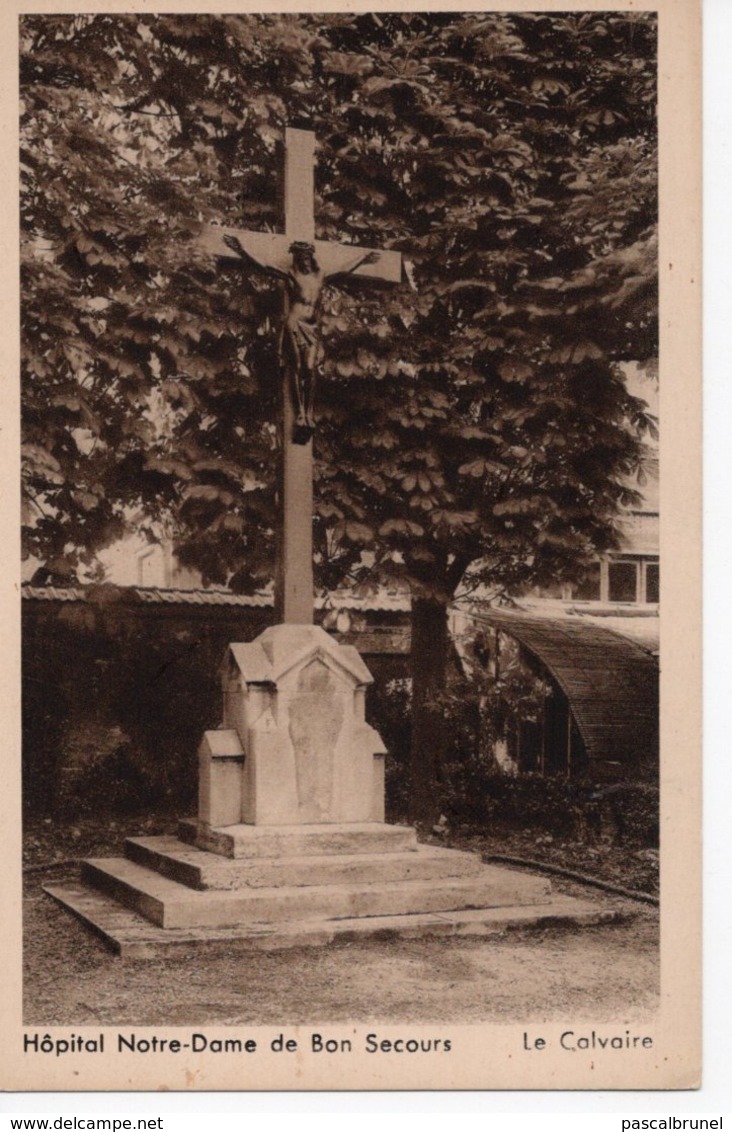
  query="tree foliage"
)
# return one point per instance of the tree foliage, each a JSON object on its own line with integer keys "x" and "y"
{"x": 510, "y": 158}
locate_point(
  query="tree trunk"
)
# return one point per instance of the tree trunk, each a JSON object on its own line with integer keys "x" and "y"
{"x": 430, "y": 644}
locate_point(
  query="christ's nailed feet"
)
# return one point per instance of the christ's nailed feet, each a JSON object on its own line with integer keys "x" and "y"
{"x": 302, "y": 431}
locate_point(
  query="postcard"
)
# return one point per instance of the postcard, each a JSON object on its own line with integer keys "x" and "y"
{"x": 353, "y": 386}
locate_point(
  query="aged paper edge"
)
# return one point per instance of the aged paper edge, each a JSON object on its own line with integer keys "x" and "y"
{"x": 483, "y": 1057}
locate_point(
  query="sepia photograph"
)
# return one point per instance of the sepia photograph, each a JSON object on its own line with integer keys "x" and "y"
{"x": 340, "y": 590}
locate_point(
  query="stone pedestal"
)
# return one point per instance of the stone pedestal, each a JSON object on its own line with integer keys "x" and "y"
{"x": 290, "y": 847}
{"x": 294, "y": 747}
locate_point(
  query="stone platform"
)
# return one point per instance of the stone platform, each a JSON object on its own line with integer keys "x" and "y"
{"x": 300, "y": 885}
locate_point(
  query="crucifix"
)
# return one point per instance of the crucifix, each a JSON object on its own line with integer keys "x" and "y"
{"x": 303, "y": 266}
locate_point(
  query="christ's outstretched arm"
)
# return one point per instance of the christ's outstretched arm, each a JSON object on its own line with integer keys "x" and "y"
{"x": 349, "y": 266}
{"x": 236, "y": 245}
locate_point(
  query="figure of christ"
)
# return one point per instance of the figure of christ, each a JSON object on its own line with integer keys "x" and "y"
{"x": 300, "y": 346}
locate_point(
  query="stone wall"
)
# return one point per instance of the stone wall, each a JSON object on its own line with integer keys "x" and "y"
{"x": 118, "y": 688}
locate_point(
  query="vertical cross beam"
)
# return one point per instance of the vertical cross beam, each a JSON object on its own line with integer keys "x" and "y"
{"x": 269, "y": 252}
{"x": 299, "y": 185}
{"x": 294, "y": 569}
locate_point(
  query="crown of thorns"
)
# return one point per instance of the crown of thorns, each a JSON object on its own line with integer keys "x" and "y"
{"x": 302, "y": 246}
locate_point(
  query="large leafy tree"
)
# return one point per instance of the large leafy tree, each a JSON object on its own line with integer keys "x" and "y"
{"x": 475, "y": 418}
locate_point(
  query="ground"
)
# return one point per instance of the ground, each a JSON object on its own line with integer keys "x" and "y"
{"x": 596, "y": 974}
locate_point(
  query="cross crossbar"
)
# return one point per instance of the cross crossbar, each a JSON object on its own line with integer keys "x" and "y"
{"x": 274, "y": 248}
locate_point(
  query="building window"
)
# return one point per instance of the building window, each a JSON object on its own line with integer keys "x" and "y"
{"x": 589, "y": 588}
{"x": 652, "y": 582}
{"x": 632, "y": 580}
{"x": 623, "y": 581}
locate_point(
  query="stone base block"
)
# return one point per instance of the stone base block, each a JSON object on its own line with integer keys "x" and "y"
{"x": 294, "y": 706}
{"x": 239, "y": 841}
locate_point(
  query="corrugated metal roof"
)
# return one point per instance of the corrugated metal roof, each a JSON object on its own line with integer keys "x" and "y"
{"x": 639, "y": 623}
{"x": 52, "y": 593}
{"x": 645, "y": 631}
{"x": 611, "y": 682}
{"x": 383, "y": 602}
{"x": 144, "y": 595}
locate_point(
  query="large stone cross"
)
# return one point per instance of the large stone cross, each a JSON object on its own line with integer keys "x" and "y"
{"x": 273, "y": 254}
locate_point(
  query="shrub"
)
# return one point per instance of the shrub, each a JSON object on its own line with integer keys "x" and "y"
{"x": 624, "y": 813}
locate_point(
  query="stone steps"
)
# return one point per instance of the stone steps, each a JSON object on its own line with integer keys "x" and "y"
{"x": 290, "y": 886}
{"x": 200, "y": 870}
{"x": 132, "y": 936}
{"x": 170, "y": 904}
